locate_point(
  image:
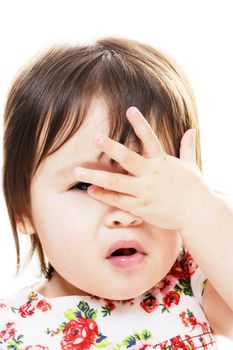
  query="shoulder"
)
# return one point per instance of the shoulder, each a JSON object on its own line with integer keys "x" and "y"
{"x": 213, "y": 304}
{"x": 12, "y": 306}
{"x": 22, "y": 319}
{"x": 9, "y": 304}
{"x": 218, "y": 312}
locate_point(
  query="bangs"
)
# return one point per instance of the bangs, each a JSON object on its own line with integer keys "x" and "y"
{"x": 120, "y": 80}
{"x": 50, "y": 99}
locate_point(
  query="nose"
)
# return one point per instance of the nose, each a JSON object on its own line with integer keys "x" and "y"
{"x": 119, "y": 218}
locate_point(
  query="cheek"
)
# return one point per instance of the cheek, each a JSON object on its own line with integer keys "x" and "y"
{"x": 167, "y": 248}
{"x": 65, "y": 222}
{"x": 171, "y": 240}
{"x": 172, "y": 243}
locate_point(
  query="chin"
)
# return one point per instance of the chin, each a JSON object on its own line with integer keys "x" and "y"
{"x": 129, "y": 292}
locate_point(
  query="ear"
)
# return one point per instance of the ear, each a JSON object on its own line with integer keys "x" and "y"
{"x": 25, "y": 226}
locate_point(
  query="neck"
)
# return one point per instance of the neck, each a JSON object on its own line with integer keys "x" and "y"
{"x": 57, "y": 286}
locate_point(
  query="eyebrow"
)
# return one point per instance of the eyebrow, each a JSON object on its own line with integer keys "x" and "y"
{"x": 68, "y": 171}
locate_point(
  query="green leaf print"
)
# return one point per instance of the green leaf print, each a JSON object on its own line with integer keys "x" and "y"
{"x": 92, "y": 314}
{"x": 203, "y": 286}
{"x": 164, "y": 308}
{"x": 103, "y": 344}
{"x": 129, "y": 341}
{"x": 70, "y": 314}
{"x": 190, "y": 313}
{"x": 14, "y": 309}
{"x": 187, "y": 288}
{"x": 15, "y": 343}
{"x": 62, "y": 326}
{"x": 145, "y": 334}
{"x": 184, "y": 286}
{"x": 117, "y": 347}
{"x": 87, "y": 312}
{"x": 105, "y": 311}
{"x": 83, "y": 306}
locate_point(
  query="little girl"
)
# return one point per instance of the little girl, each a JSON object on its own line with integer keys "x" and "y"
{"x": 102, "y": 170}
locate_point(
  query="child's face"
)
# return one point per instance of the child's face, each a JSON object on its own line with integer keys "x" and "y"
{"x": 77, "y": 231}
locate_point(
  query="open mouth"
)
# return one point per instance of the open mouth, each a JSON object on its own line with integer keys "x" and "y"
{"x": 124, "y": 252}
{"x": 125, "y": 248}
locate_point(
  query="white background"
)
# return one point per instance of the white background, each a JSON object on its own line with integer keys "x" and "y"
{"x": 198, "y": 34}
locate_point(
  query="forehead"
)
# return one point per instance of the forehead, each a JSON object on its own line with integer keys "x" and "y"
{"x": 80, "y": 147}
{"x": 96, "y": 121}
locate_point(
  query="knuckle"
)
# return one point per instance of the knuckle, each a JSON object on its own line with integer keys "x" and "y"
{"x": 116, "y": 197}
{"x": 142, "y": 203}
{"x": 164, "y": 157}
{"x": 128, "y": 158}
{"x": 114, "y": 180}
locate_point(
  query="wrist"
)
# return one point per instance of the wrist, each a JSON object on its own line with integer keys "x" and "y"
{"x": 202, "y": 207}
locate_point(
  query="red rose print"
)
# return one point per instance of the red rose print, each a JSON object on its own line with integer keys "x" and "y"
{"x": 36, "y": 347}
{"x": 127, "y": 301}
{"x": 26, "y": 310}
{"x": 192, "y": 320}
{"x": 167, "y": 283}
{"x": 79, "y": 334}
{"x": 190, "y": 342}
{"x": 43, "y": 305}
{"x": 110, "y": 304}
{"x": 163, "y": 345}
{"x": 149, "y": 304}
{"x": 176, "y": 270}
{"x": 9, "y": 332}
{"x": 171, "y": 298}
{"x": 192, "y": 265}
{"x": 184, "y": 267}
{"x": 183, "y": 318}
{"x": 178, "y": 344}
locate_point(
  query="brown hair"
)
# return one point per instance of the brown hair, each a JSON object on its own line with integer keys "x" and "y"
{"x": 50, "y": 97}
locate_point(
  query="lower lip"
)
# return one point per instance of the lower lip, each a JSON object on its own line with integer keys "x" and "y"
{"x": 127, "y": 260}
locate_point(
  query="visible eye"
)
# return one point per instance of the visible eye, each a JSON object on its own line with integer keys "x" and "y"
{"x": 83, "y": 186}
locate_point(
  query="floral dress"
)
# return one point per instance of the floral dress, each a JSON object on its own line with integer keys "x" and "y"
{"x": 167, "y": 317}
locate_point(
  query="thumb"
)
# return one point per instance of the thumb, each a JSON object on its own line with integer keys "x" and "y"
{"x": 188, "y": 146}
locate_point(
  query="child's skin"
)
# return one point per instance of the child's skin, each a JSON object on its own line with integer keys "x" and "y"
{"x": 76, "y": 231}
{"x": 153, "y": 198}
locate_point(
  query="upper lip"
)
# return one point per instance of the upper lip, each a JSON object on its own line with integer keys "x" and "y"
{"x": 125, "y": 244}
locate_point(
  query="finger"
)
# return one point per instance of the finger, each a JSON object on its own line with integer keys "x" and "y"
{"x": 115, "y": 199}
{"x": 110, "y": 181}
{"x": 128, "y": 159}
{"x": 151, "y": 144}
{"x": 188, "y": 146}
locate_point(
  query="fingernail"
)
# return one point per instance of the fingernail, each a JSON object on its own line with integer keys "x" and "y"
{"x": 99, "y": 139}
{"x": 194, "y": 133}
{"x": 132, "y": 111}
{"x": 91, "y": 190}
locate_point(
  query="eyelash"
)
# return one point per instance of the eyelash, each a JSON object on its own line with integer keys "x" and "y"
{"x": 80, "y": 183}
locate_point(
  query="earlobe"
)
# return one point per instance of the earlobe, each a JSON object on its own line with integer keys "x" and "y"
{"x": 25, "y": 226}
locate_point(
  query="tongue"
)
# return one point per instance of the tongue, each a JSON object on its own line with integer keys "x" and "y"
{"x": 124, "y": 251}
